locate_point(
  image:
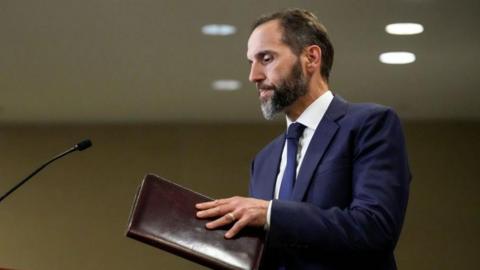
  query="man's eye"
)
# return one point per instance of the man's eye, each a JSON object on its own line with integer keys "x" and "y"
{"x": 267, "y": 58}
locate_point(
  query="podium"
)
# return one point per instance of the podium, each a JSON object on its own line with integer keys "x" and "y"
{"x": 164, "y": 216}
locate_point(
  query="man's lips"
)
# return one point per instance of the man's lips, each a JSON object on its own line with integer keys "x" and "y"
{"x": 265, "y": 94}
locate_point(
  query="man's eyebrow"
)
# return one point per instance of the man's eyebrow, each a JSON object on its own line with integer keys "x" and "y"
{"x": 262, "y": 53}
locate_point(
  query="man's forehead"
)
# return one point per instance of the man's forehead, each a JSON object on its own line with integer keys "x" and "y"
{"x": 265, "y": 37}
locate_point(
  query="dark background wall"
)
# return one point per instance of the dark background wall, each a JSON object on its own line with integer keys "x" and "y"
{"x": 74, "y": 214}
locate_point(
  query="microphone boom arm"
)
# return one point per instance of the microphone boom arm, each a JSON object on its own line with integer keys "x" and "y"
{"x": 80, "y": 146}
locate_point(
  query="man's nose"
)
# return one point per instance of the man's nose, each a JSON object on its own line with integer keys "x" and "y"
{"x": 256, "y": 73}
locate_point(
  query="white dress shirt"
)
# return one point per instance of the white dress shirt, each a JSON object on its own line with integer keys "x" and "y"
{"x": 310, "y": 118}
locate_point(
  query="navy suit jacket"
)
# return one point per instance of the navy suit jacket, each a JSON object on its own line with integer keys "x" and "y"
{"x": 350, "y": 195}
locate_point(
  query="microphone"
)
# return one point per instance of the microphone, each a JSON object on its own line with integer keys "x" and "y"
{"x": 82, "y": 145}
{"x": 79, "y": 146}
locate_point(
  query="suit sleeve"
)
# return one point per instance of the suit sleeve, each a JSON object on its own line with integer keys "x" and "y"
{"x": 373, "y": 220}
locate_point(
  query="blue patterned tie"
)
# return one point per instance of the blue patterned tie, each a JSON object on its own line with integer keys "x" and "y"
{"x": 294, "y": 132}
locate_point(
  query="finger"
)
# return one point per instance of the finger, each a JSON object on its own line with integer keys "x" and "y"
{"x": 219, "y": 222}
{"x": 212, "y": 212}
{"x": 206, "y": 205}
{"x": 237, "y": 227}
{"x": 210, "y": 204}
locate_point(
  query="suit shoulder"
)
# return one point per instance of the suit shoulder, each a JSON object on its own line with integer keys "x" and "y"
{"x": 343, "y": 110}
{"x": 369, "y": 108}
{"x": 361, "y": 112}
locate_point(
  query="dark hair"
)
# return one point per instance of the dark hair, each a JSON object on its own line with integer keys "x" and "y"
{"x": 301, "y": 28}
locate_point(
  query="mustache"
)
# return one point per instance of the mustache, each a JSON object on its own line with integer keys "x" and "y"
{"x": 266, "y": 86}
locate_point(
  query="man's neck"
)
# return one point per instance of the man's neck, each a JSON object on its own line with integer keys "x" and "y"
{"x": 316, "y": 89}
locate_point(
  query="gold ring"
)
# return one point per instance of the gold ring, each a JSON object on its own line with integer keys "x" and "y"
{"x": 231, "y": 216}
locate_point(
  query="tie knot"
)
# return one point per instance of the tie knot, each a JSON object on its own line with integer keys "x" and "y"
{"x": 295, "y": 131}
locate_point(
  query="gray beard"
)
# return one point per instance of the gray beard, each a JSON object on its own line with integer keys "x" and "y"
{"x": 268, "y": 110}
{"x": 289, "y": 90}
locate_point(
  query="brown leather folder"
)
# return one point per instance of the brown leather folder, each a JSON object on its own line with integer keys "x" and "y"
{"x": 163, "y": 215}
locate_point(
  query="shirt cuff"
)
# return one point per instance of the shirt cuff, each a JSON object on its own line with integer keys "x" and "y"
{"x": 267, "y": 222}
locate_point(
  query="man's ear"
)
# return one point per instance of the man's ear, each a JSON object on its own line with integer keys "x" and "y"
{"x": 313, "y": 55}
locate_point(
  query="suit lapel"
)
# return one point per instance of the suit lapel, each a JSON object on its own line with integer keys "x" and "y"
{"x": 269, "y": 172}
{"x": 325, "y": 132}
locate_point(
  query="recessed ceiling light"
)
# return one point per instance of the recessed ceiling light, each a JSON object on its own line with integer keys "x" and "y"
{"x": 226, "y": 85}
{"x": 404, "y": 28}
{"x": 219, "y": 29}
{"x": 397, "y": 58}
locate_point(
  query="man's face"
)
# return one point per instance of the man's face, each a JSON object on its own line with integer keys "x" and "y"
{"x": 275, "y": 69}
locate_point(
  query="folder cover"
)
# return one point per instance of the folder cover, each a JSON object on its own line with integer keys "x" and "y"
{"x": 164, "y": 215}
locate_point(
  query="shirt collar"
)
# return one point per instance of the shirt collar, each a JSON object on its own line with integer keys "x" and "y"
{"x": 313, "y": 114}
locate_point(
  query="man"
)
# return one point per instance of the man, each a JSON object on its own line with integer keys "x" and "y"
{"x": 334, "y": 198}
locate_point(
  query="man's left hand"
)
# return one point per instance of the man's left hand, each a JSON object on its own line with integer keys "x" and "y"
{"x": 240, "y": 211}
